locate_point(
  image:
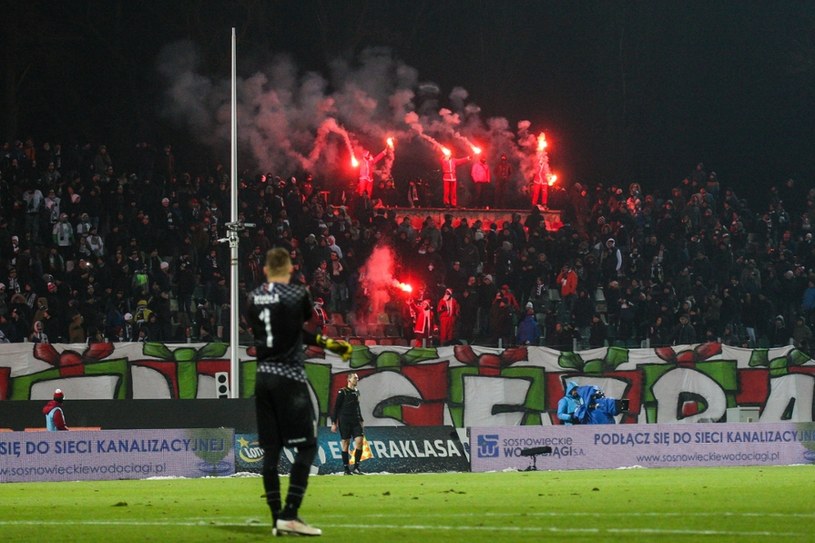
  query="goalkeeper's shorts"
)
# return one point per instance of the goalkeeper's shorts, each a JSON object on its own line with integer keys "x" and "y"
{"x": 284, "y": 412}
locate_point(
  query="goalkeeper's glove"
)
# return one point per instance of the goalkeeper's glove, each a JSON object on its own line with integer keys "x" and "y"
{"x": 336, "y": 346}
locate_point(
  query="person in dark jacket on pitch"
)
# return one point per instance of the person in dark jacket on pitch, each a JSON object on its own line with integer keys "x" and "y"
{"x": 54, "y": 417}
{"x": 347, "y": 418}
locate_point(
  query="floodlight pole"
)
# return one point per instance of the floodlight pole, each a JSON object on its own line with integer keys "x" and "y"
{"x": 233, "y": 229}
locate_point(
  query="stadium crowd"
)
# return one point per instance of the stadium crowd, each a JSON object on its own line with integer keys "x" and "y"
{"x": 95, "y": 250}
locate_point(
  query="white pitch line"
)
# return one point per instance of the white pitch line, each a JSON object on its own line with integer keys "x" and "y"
{"x": 550, "y": 529}
{"x": 580, "y": 514}
{"x": 414, "y": 527}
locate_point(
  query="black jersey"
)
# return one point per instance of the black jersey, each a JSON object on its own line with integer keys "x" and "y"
{"x": 346, "y": 408}
{"x": 276, "y": 313}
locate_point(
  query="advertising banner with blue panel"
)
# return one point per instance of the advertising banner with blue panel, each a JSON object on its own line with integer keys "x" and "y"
{"x": 651, "y": 446}
{"x": 115, "y": 454}
{"x": 391, "y": 449}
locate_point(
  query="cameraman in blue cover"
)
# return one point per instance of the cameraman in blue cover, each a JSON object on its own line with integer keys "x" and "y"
{"x": 596, "y": 408}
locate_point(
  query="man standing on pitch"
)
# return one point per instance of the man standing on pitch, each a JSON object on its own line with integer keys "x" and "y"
{"x": 348, "y": 418}
{"x": 54, "y": 417}
{"x": 276, "y": 312}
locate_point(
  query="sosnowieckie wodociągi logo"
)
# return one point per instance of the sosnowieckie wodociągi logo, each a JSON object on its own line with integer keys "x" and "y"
{"x": 487, "y": 445}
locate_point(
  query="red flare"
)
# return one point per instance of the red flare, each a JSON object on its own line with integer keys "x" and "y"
{"x": 542, "y": 141}
{"x": 354, "y": 161}
{"x": 446, "y": 152}
{"x": 404, "y": 287}
{"x": 476, "y": 150}
{"x": 552, "y": 178}
{"x": 390, "y": 142}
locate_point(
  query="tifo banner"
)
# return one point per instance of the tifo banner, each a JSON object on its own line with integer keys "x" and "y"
{"x": 461, "y": 386}
{"x": 115, "y": 454}
{"x": 652, "y": 446}
{"x": 386, "y": 449}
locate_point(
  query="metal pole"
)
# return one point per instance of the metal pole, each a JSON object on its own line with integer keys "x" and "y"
{"x": 234, "y": 373}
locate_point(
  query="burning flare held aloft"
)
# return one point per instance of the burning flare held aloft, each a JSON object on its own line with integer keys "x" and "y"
{"x": 404, "y": 287}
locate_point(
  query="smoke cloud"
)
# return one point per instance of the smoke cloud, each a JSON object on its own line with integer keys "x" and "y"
{"x": 290, "y": 121}
{"x": 376, "y": 277}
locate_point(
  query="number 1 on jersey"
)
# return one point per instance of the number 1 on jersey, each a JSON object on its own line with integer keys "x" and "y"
{"x": 266, "y": 317}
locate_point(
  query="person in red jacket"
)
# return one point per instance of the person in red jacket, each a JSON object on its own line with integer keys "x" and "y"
{"x": 54, "y": 417}
{"x": 448, "y": 311}
{"x": 422, "y": 314}
{"x": 366, "y": 172}
{"x": 448, "y": 177}
{"x": 567, "y": 279}
{"x": 539, "y": 190}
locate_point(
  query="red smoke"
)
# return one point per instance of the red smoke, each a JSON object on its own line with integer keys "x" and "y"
{"x": 376, "y": 276}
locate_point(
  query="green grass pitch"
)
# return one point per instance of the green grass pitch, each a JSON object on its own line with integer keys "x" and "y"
{"x": 763, "y": 504}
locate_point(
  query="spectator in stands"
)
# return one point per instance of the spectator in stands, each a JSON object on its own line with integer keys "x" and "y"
{"x": 529, "y": 332}
{"x": 503, "y": 174}
{"x": 582, "y": 313}
{"x": 448, "y": 313}
{"x": 567, "y": 283}
{"x": 779, "y": 334}
{"x": 598, "y": 332}
{"x": 76, "y": 330}
{"x": 802, "y": 335}
{"x": 468, "y": 313}
{"x": 481, "y": 177}
{"x": 338, "y": 274}
{"x": 683, "y": 333}
{"x": 658, "y": 335}
{"x": 501, "y": 319}
{"x": 38, "y": 334}
{"x": 423, "y": 323}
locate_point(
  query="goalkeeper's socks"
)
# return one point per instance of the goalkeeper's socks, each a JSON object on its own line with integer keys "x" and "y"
{"x": 357, "y": 455}
{"x": 271, "y": 484}
{"x": 289, "y": 512}
{"x": 298, "y": 481}
{"x": 345, "y": 458}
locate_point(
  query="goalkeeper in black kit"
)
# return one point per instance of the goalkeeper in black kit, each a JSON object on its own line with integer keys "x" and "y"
{"x": 285, "y": 416}
{"x": 348, "y": 418}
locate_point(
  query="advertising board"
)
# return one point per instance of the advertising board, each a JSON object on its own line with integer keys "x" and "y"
{"x": 652, "y": 446}
{"x": 386, "y": 449}
{"x": 115, "y": 454}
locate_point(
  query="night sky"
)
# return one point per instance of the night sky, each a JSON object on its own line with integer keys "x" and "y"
{"x": 626, "y": 91}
